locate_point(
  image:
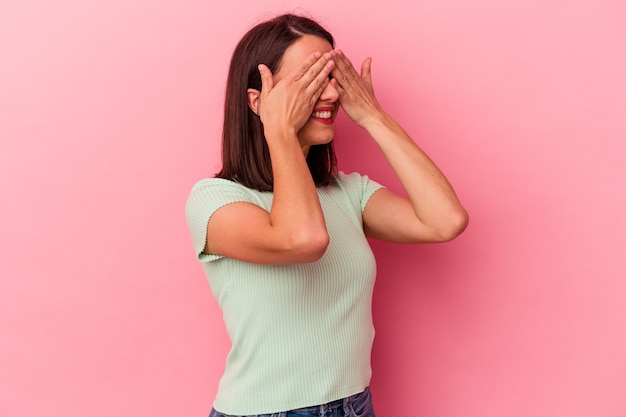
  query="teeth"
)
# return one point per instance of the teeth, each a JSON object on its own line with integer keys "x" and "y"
{"x": 322, "y": 114}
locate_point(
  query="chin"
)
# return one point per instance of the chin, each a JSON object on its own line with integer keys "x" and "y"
{"x": 326, "y": 139}
{"x": 317, "y": 138}
{"x": 317, "y": 141}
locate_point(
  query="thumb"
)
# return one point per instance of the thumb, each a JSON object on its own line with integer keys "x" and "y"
{"x": 267, "y": 82}
{"x": 366, "y": 69}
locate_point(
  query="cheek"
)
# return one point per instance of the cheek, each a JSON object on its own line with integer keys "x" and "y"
{"x": 305, "y": 130}
{"x": 316, "y": 132}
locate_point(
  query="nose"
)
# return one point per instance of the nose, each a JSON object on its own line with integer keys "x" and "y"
{"x": 329, "y": 94}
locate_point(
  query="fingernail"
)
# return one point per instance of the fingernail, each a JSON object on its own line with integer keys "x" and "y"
{"x": 317, "y": 55}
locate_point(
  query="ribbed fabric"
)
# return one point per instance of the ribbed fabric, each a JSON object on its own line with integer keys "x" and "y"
{"x": 301, "y": 334}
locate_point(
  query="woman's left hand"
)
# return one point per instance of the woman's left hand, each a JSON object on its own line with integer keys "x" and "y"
{"x": 356, "y": 93}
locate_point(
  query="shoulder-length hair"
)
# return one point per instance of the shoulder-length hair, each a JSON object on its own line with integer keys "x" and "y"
{"x": 245, "y": 154}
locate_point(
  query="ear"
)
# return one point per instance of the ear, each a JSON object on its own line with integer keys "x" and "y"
{"x": 253, "y": 100}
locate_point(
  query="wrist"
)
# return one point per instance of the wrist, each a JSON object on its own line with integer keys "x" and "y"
{"x": 280, "y": 134}
{"x": 377, "y": 121}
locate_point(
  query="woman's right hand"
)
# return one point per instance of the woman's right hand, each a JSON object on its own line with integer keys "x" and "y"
{"x": 286, "y": 104}
{"x": 294, "y": 229}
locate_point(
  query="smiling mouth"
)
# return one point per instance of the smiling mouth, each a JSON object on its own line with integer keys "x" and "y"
{"x": 326, "y": 114}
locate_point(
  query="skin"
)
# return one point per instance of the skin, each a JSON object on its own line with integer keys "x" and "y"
{"x": 309, "y": 130}
{"x": 294, "y": 230}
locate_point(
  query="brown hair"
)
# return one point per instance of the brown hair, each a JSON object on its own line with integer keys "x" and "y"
{"x": 245, "y": 155}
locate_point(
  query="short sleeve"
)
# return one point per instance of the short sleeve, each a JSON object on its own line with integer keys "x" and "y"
{"x": 360, "y": 187}
{"x": 368, "y": 187}
{"x": 205, "y": 198}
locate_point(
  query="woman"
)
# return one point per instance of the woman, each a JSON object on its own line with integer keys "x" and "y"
{"x": 282, "y": 236}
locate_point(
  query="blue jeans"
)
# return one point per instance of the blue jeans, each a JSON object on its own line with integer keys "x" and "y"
{"x": 358, "y": 405}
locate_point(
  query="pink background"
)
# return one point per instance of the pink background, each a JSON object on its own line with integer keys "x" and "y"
{"x": 111, "y": 110}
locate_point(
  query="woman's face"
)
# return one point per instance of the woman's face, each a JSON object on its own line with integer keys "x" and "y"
{"x": 320, "y": 128}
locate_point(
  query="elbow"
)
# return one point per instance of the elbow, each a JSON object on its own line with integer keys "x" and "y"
{"x": 309, "y": 245}
{"x": 457, "y": 223}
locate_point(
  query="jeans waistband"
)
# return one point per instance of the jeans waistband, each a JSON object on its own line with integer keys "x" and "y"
{"x": 333, "y": 404}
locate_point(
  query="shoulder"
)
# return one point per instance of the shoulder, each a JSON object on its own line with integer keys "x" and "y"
{"x": 347, "y": 178}
{"x": 216, "y": 184}
{"x": 356, "y": 181}
{"x": 350, "y": 180}
{"x": 357, "y": 186}
{"x": 213, "y": 193}
{"x": 219, "y": 186}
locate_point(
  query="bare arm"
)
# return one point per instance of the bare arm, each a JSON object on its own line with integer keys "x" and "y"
{"x": 432, "y": 213}
{"x": 294, "y": 230}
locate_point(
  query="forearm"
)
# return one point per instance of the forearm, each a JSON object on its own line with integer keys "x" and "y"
{"x": 432, "y": 197}
{"x": 296, "y": 214}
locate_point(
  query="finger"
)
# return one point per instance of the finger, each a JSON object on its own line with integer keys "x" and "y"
{"x": 317, "y": 84}
{"x": 338, "y": 87}
{"x": 267, "y": 81}
{"x": 314, "y": 78}
{"x": 315, "y": 95}
{"x": 340, "y": 76}
{"x": 345, "y": 69}
{"x": 307, "y": 65}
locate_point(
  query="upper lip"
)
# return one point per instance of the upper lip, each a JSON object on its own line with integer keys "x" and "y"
{"x": 325, "y": 108}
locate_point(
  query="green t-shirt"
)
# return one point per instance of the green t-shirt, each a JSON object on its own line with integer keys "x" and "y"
{"x": 302, "y": 333}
